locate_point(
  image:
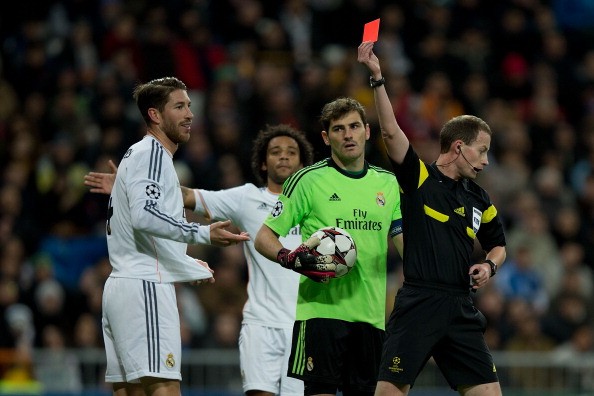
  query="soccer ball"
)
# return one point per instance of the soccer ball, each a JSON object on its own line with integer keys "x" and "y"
{"x": 338, "y": 243}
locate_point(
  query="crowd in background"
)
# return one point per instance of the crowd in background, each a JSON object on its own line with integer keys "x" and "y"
{"x": 68, "y": 68}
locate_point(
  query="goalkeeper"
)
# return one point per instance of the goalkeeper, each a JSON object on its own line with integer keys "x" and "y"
{"x": 339, "y": 327}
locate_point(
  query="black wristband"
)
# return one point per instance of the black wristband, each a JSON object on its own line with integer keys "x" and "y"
{"x": 376, "y": 83}
{"x": 492, "y": 265}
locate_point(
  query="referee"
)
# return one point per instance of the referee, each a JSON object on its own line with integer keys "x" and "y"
{"x": 444, "y": 211}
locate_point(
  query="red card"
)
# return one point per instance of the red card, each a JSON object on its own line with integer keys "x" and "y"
{"x": 371, "y": 30}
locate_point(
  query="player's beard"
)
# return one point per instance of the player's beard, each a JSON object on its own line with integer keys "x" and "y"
{"x": 280, "y": 177}
{"x": 348, "y": 156}
{"x": 174, "y": 133}
{"x": 276, "y": 178}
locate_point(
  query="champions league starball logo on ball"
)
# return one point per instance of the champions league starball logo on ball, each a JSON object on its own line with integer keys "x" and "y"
{"x": 153, "y": 191}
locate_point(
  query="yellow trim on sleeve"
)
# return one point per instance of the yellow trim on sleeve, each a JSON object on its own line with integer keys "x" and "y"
{"x": 423, "y": 173}
{"x": 489, "y": 214}
{"x": 470, "y": 233}
{"x": 434, "y": 214}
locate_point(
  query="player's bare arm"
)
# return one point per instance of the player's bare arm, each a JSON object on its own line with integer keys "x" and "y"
{"x": 267, "y": 243}
{"x": 398, "y": 241}
{"x": 394, "y": 138}
{"x": 189, "y": 198}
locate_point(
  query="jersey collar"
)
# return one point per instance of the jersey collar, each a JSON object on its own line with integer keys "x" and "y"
{"x": 358, "y": 175}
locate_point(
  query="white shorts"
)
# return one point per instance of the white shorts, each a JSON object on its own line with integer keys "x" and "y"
{"x": 141, "y": 330}
{"x": 264, "y": 359}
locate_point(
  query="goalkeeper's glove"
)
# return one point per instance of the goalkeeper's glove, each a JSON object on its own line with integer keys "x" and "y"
{"x": 317, "y": 268}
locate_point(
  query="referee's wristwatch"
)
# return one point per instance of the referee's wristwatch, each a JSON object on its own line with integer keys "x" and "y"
{"x": 376, "y": 83}
{"x": 492, "y": 265}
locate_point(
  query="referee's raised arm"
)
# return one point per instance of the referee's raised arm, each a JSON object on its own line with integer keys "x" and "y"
{"x": 394, "y": 138}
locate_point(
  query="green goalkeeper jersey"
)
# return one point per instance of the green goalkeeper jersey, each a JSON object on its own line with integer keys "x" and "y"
{"x": 367, "y": 205}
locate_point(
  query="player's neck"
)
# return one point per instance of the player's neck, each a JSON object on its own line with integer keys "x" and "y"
{"x": 274, "y": 188}
{"x": 164, "y": 140}
{"x": 354, "y": 166}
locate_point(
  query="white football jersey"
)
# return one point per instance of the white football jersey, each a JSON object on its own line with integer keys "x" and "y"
{"x": 147, "y": 233}
{"x": 272, "y": 289}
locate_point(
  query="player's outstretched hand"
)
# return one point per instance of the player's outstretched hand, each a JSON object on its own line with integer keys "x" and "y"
{"x": 207, "y": 280}
{"x": 220, "y": 236}
{"x": 317, "y": 268}
{"x": 101, "y": 183}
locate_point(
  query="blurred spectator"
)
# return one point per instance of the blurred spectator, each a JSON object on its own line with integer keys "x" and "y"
{"x": 9, "y": 296}
{"x": 577, "y": 276}
{"x": 122, "y": 37}
{"x": 9, "y": 103}
{"x": 475, "y": 95}
{"x": 581, "y": 375}
{"x": 433, "y": 58}
{"x": 568, "y": 227}
{"x": 514, "y": 85}
{"x": 491, "y": 302}
{"x": 21, "y": 329}
{"x": 224, "y": 332}
{"x": 51, "y": 310}
{"x": 529, "y": 337}
{"x": 56, "y": 367}
{"x": 518, "y": 279}
{"x": 87, "y": 332}
{"x": 437, "y": 103}
{"x": 569, "y": 311}
{"x": 391, "y": 45}
{"x": 229, "y": 293}
{"x": 157, "y": 47}
{"x": 552, "y": 191}
{"x": 71, "y": 255}
{"x": 87, "y": 337}
{"x": 192, "y": 311}
{"x": 533, "y": 233}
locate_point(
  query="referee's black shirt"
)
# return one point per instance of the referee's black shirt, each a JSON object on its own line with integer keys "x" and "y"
{"x": 441, "y": 219}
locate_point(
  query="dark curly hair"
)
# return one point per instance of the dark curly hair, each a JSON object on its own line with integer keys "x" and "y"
{"x": 260, "y": 148}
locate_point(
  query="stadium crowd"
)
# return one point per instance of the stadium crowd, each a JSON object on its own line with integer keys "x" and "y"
{"x": 67, "y": 69}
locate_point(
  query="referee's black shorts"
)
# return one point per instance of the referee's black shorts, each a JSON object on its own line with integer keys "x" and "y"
{"x": 441, "y": 323}
{"x": 331, "y": 354}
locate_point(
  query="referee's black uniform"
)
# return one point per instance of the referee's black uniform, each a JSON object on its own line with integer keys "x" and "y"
{"x": 434, "y": 314}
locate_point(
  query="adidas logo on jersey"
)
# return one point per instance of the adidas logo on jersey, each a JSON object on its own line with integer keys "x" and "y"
{"x": 460, "y": 211}
{"x": 334, "y": 197}
{"x": 263, "y": 206}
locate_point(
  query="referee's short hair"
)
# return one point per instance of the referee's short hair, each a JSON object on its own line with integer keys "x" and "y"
{"x": 464, "y": 127}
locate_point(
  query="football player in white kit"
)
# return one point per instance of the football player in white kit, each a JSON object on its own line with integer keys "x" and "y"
{"x": 269, "y": 313}
{"x": 147, "y": 237}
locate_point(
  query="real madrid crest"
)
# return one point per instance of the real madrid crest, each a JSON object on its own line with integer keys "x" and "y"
{"x": 310, "y": 364}
{"x": 170, "y": 361}
{"x": 380, "y": 199}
